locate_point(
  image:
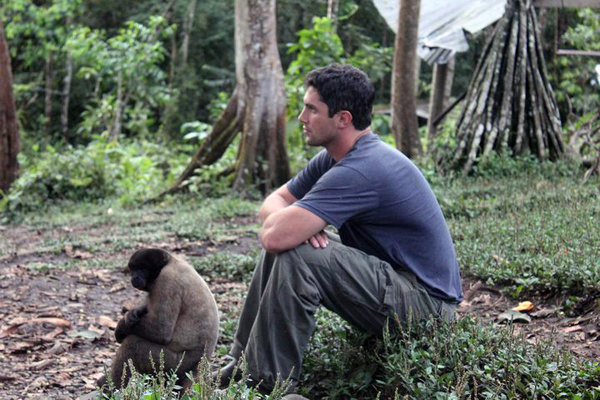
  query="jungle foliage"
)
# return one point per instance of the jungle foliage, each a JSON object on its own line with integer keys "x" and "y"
{"x": 130, "y": 83}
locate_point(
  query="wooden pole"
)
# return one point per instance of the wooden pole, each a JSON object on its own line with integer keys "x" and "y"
{"x": 404, "y": 97}
{"x": 437, "y": 98}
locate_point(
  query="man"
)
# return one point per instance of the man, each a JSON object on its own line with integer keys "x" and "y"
{"x": 395, "y": 258}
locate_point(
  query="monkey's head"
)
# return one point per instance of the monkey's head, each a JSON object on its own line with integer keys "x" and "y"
{"x": 145, "y": 266}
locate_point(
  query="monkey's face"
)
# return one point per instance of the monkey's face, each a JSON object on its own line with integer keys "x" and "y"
{"x": 145, "y": 266}
{"x": 139, "y": 278}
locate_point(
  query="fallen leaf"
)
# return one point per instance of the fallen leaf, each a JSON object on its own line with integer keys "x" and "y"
{"x": 9, "y": 331}
{"x": 543, "y": 313}
{"x": 87, "y": 334}
{"x": 117, "y": 287}
{"x": 58, "y": 348}
{"x": 19, "y": 321}
{"x": 52, "y": 294}
{"x": 63, "y": 380}
{"x": 41, "y": 365}
{"x": 513, "y": 316}
{"x": 97, "y": 330}
{"x": 62, "y": 323}
{"x": 108, "y": 322}
{"x": 52, "y": 335}
{"x": 524, "y": 306}
{"x": 72, "y": 369}
{"x": 50, "y": 311}
{"x": 573, "y": 329}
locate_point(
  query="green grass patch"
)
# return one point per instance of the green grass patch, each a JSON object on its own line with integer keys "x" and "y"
{"x": 528, "y": 232}
{"x": 227, "y": 265}
{"x": 441, "y": 361}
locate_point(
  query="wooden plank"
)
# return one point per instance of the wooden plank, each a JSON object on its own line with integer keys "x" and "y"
{"x": 570, "y": 52}
{"x": 566, "y": 3}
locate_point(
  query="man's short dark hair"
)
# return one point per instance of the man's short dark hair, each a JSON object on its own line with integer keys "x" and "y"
{"x": 344, "y": 87}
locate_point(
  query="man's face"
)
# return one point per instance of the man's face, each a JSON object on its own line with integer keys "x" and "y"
{"x": 319, "y": 128}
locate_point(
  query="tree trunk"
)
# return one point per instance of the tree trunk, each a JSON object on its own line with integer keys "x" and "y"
{"x": 404, "y": 93}
{"x": 9, "y": 132}
{"x": 49, "y": 74}
{"x": 256, "y": 108}
{"x": 188, "y": 31}
{"x": 64, "y": 116}
{"x": 122, "y": 99}
{"x": 333, "y": 11}
{"x": 438, "y": 98}
{"x": 510, "y": 105}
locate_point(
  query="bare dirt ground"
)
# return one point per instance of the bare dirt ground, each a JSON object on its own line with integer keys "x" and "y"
{"x": 56, "y": 325}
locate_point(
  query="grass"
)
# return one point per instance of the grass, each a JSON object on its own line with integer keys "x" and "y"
{"x": 101, "y": 229}
{"x": 519, "y": 225}
{"x": 529, "y": 232}
{"x": 465, "y": 360}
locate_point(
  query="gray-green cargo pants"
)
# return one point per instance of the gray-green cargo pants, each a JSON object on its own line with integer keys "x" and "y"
{"x": 277, "y": 319}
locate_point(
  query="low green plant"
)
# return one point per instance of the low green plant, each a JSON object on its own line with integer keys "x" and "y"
{"x": 528, "y": 231}
{"x": 128, "y": 171}
{"x": 162, "y": 385}
{"x": 435, "y": 360}
{"x": 228, "y": 265}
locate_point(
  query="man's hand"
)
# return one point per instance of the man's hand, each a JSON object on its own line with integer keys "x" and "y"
{"x": 319, "y": 241}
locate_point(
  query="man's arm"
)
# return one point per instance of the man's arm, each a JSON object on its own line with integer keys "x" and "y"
{"x": 286, "y": 226}
{"x": 276, "y": 201}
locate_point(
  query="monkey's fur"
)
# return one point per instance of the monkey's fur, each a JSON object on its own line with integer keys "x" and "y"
{"x": 179, "y": 315}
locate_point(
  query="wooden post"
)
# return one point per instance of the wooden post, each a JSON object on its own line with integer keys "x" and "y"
{"x": 332, "y": 12}
{"x": 442, "y": 83}
{"x": 404, "y": 96}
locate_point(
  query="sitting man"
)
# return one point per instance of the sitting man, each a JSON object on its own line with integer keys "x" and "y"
{"x": 394, "y": 257}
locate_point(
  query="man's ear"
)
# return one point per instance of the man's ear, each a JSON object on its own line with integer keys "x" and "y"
{"x": 344, "y": 118}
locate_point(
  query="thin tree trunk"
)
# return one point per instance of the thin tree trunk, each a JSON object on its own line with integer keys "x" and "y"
{"x": 404, "y": 94}
{"x": 188, "y": 31}
{"x": 49, "y": 74}
{"x": 172, "y": 62}
{"x": 115, "y": 131}
{"x": 9, "y": 132}
{"x": 256, "y": 108}
{"x": 333, "y": 11}
{"x": 438, "y": 98}
{"x": 64, "y": 116}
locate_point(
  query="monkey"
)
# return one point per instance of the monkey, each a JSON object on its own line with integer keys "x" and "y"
{"x": 179, "y": 315}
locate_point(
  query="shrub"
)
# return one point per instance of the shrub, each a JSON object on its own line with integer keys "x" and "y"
{"x": 131, "y": 171}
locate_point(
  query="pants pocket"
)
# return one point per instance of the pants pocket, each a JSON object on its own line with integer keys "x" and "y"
{"x": 406, "y": 299}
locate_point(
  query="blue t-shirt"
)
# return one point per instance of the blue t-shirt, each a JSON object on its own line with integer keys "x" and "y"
{"x": 381, "y": 204}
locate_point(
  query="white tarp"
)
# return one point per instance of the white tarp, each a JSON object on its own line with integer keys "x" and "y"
{"x": 442, "y": 23}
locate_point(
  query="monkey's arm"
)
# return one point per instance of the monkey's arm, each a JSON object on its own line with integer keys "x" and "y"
{"x": 131, "y": 318}
{"x": 164, "y": 307}
{"x": 132, "y": 304}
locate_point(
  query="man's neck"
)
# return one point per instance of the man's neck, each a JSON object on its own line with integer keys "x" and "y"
{"x": 348, "y": 139}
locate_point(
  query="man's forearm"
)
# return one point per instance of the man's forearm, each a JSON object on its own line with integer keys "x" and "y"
{"x": 273, "y": 203}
